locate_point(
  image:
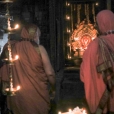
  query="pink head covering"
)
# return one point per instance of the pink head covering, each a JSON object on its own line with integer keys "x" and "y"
{"x": 31, "y": 31}
{"x": 105, "y": 20}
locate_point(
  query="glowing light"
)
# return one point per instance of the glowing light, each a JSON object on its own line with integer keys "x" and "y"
{"x": 13, "y": 89}
{"x": 7, "y": 89}
{"x": 93, "y": 38}
{"x": 97, "y": 4}
{"x": 85, "y": 47}
{"x": 84, "y": 112}
{"x": 16, "y": 57}
{"x": 69, "y": 57}
{"x": 68, "y": 44}
{"x": 6, "y": 59}
{"x": 81, "y": 37}
{"x": 76, "y": 38}
{"x": 68, "y": 4}
{"x": 67, "y": 17}
{"x": 18, "y": 87}
{"x": 68, "y": 30}
{"x": 76, "y": 110}
{"x": 16, "y": 26}
{"x": 70, "y": 110}
{"x": 59, "y": 113}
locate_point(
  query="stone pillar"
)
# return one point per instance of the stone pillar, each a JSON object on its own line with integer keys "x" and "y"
{"x": 108, "y": 4}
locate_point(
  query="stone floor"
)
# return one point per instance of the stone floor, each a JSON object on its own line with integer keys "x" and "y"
{"x": 70, "y": 91}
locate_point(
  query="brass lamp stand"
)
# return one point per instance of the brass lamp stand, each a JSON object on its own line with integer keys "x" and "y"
{"x": 10, "y": 91}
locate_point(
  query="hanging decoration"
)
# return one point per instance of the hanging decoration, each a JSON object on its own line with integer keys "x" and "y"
{"x": 87, "y": 12}
{"x": 78, "y": 13}
{"x": 93, "y": 12}
{"x": 84, "y": 33}
{"x": 72, "y": 17}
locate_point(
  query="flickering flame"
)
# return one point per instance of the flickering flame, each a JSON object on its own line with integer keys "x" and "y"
{"x": 70, "y": 110}
{"x": 16, "y": 26}
{"x": 76, "y": 110}
{"x": 16, "y": 57}
{"x": 59, "y": 113}
{"x": 10, "y": 89}
{"x": 13, "y": 89}
{"x": 93, "y": 38}
{"x": 68, "y": 30}
{"x": 68, "y": 17}
{"x": 6, "y": 59}
{"x": 68, "y": 4}
{"x": 76, "y": 38}
{"x": 68, "y": 44}
{"x": 18, "y": 88}
{"x": 7, "y": 89}
{"x": 84, "y": 112}
{"x": 97, "y": 4}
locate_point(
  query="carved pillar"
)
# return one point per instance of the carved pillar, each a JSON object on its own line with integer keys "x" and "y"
{"x": 56, "y": 43}
{"x": 56, "y": 31}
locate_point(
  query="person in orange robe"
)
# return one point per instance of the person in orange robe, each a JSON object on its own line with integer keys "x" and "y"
{"x": 33, "y": 72}
{"x": 97, "y": 67}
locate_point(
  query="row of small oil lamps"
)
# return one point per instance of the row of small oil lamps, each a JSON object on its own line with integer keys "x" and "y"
{"x": 11, "y": 91}
{"x": 83, "y": 111}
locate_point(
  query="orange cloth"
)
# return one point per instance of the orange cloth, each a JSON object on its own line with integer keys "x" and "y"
{"x": 93, "y": 81}
{"x": 28, "y": 72}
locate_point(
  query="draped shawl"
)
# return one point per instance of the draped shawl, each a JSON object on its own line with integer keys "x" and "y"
{"x": 93, "y": 81}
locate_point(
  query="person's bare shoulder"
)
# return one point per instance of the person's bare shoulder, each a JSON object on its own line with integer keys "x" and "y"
{"x": 43, "y": 51}
{"x": 41, "y": 47}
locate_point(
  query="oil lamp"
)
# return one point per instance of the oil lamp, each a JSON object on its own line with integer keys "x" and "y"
{"x": 6, "y": 1}
{"x": 76, "y": 110}
{"x": 10, "y": 91}
{"x": 8, "y": 30}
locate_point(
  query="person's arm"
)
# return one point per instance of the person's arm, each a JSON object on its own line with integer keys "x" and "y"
{"x": 81, "y": 72}
{"x": 48, "y": 67}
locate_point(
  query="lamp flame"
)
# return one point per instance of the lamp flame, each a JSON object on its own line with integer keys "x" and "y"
{"x": 16, "y": 57}
{"x": 59, "y": 113}
{"x": 70, "y": 110}
{"x": 18, "y": 88}
{"x": 16, "y": 26}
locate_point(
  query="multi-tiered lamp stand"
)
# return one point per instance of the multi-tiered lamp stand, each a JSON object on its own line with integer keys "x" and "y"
{"x": 10, "y": 91}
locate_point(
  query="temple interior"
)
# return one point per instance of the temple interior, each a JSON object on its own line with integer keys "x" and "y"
{"x": 67, "y": 27}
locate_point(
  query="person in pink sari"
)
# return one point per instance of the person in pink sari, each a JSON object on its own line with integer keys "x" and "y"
{"x": 97, "y": 67}
{"x": 32, "y": 71}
